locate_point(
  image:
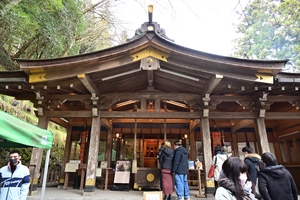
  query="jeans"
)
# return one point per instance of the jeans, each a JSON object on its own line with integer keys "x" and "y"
{"x": 181, "y": 186}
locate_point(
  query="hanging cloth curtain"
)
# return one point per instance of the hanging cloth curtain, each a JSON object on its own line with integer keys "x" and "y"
{"x": 216, "y": 136}
{"x": 83, "y": 140}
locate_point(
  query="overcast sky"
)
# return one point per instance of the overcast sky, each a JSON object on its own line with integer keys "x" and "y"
{"x": 205, "y": 25}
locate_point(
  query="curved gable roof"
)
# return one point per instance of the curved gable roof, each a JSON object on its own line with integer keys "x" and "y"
{"x": 150, "y": 62}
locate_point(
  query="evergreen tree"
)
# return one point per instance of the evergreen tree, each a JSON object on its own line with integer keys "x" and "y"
{"x": 270, "y": 29}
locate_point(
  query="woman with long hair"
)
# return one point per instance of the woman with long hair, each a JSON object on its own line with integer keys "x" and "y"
{"x": 165, "y": 160}
{"x": 218, "y": 161}
{"x": 234, "y": 181}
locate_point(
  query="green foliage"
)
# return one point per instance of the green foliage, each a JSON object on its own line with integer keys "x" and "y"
{"x": 54, "y": 28}
{"x": 25, "y": 154}
{"x": 5, "y": 61}
{"x": 24, "y": 110}
{"x": 42, "y": 28}
{"x": 270, "y": 30}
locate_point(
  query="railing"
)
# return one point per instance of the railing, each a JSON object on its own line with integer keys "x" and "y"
{"x": 52, "y": 177}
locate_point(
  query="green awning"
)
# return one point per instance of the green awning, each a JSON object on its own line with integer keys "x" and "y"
{"x": 15, "y": 132}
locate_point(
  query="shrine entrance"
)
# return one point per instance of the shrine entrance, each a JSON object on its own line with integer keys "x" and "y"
{"x": 150, "y": 152}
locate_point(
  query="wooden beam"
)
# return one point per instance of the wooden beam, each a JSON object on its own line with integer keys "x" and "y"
{"x": 202, "y": 68}
{"x": 61, "y": 122}
{"x": 152, "y": 95}
{"x": 188, "y": 97}
{"x": 241, "y": 124}
{"x": 13, "y": 80}
{"x": 193, "y": 96}
{"x": 151, "y": 115}
{"x": 73, "y": 71}
{"x": 285, "y": 98}
{"x": 173, "y": 115}
{"x": 196, "y": 123}
{"x": 105, "y": 123}
{"x": 232, "y": 115}
{"x": 211, "y": 84}
{"x": 154, "y": 121}
{"x": 69, "y": 114}
{"x": 282, "y": 115}
{"x": 89, "y": 84}
{"x": 70, "y": 97}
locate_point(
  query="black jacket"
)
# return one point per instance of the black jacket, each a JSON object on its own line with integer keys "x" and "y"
{"x": 166, "y": 158}
{"x": 180, "y": 161}
{"x": 251, "y": 160}
{"x": 277, "y": 183}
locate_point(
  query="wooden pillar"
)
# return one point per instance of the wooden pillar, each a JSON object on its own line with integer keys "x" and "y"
{"x": 234, "y": 145}
{"x": 165, "y": 130}
{"x": 118, "y": 148}
{"x": 142, "y": 152}
{"x": 92, "y": 163}
{"x": 157, "y": 105}
{"x": 37, "y": 154}
{"x": 123, "y": 149}
{"x": 207, "y": 154}
{"x": 66, "y": 158}
{"x": 134, "y": 161}
{"x": 261, "y": 134}
{"x": 277, "y": 149}
{"x": 143, "y": 105}
{"x": 109, "y": 146}
{"x": 193, "y": 148}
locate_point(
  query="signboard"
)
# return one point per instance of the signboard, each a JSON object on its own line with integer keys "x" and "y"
{"x": 152, "y": 195}
{"x": 122, "y": 172}
{"x": 71, "y": 167}
{"x": 103, "y": 164}
{"x": 98, "y": 172}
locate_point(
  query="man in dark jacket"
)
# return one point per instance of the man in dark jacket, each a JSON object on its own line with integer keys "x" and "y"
{"x": 275, "y": 182}
{"x": 180, "y": 169}
{"x": 252, "y": 161}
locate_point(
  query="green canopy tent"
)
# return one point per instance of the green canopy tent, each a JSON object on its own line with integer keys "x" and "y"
{"x": 15, "y": 132}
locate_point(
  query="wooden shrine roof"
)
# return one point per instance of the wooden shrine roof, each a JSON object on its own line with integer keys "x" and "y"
{"x": 149, "y": 66}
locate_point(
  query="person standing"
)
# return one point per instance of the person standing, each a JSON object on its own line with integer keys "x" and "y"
{"x": 180, "y": 170}
{"x": 252, "y": 161}
{"x": 275, "y": 182}
{"x": 15, "y": 178}
{"x": 159, "y": 153}
{"x": 165, "y": 160}
{"x": 218, "y": 161}
{"x": 233, "y": 182}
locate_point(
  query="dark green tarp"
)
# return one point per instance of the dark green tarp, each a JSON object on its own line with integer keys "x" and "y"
{"x": 15, "y": 132}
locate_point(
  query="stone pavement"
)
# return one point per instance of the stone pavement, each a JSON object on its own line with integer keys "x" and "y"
{"x": 53, "y": 193}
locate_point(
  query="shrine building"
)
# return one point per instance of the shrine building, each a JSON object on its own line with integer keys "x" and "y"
{"x": 123, "y": 102}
